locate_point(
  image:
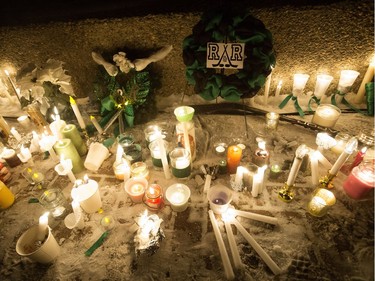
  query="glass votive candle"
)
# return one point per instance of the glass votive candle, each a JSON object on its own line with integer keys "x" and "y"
{"x": 139, "y": 170}
{"x": 33, "y": 177}
{"x": 154, "y": 197}
{"x": 178, "y": 195}
{"x": 341, "y": 141}
{"x": 360, "y": 181}
{"x": 135, "y": 188}
{"x": 152, "y": 131}
{"x": 326, "y": 115}
{"x": 180, "y": 162}
{"x": 125, "y": 141}
{"x": 272, "y": 120}
{"x": 54, "y": 201}
{"x": 219, "y": 198}
{"x": 220, "y": 148}
{"x": 155, "y": 152}
{"x": 321, "y": 201}
{"x": 275, "y": 171}
{"x": 121, "y": 170}
{"x": 107, "y": 222}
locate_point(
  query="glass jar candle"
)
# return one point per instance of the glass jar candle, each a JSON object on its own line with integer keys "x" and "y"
{"x": 139, "y": 170}
{"x": 154, "y": 197}
{"x": 54, "y": 202}
{"x": 155, "y": 152}
{"x": 178, "y": 195}
{"x": 360, "y": 181}
{"x": 152, "y": 131}
{"x": 272, "y": 120}
{"x": 326, "y": 115}
{"x": 125, "y": 141}
{"x": 180, "y": 162}
{"x": 135, "y": 188}
{"x": 341, "y": 141}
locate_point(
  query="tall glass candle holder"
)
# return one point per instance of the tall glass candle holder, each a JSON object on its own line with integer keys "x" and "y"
{"x": 180, "y": 162}
{"x": 155, "y": 152}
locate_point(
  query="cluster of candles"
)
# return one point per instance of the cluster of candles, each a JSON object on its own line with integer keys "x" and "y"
{"x": 323, "y": 81}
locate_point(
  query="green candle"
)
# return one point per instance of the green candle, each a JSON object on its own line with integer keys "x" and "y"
{"x": 66, "y": 147}
{"x": 70, "y": 132}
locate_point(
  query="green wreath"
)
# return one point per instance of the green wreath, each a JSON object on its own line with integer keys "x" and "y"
{"x": 228, "y": 27}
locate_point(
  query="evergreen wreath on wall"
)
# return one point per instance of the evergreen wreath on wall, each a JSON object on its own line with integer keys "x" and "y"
{"x": 228, "y": 26}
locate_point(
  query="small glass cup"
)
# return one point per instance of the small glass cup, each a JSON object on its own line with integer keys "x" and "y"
{"x": 54, "y": 201}
{"x": 139, "y": 170}
{"x": 219, "y": 198}
{"x": 155, "y": 152}
{"x": 180, "y": 162}
{"x": 272, "y": 120}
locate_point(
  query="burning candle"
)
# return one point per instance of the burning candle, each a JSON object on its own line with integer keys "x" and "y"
{"x": 368, "y": 77}
{"x": 261, "y": 155}
{"x": 24, "y": 121}
{"x": 265, "y": 257}
{"x": 43, "y": 227}
{"x": 267, "y": 87}
{"x": 121, "y": 170}
{"x": 10, "y": 156}
{"x": 178, "y": 195}
{"x": 223, "y": 252}
{"x": 77, "y": 113}
{"x": 96, "y": 124}
{"x": 65, "y": 168}
{"x": 66, "y": 147}
{"x": 272, "y": 120}
{"x": 360, "y": 181}
{"x": 6, "y": 196}
{"x": 278, "y": 88}
{"x": 154, "y": 197}
{"x": 258, "y": 181}
{"x": 70, "y": 131}
{"x": 220, "y": 148}
{"x": 56, "y": 126}
{"x": 349, "y": 149}
{"x": 180, "y": 162}
{"x": 87, "y": 193}
{"x": 135, "y": 188}
{"x": 219, "y": 198}
{"x": 139, "y": 170}
{"x": 326, "y": 115}
{"x": 233, "y": 158}
{"x": 321, "y": 85}
{"x": 25, "y": 155}
{"x": 15, "y": 134}
{"x": 299, "y": 83}
{"x": 300, "y": 153}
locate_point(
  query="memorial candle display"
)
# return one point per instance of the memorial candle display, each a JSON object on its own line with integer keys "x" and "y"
{"x": 154, "y": 197}
{"x": 77, "y": 113}
{"x": 70, "y": 131}
{"x": 86, "y": 192}
{"x": 66, "y": 147}
{"x": 233, "y": 158}
{"x": 135, "y": 188}
{"x": 178, "y": 195}
{"x": 326, "y": 115}
{"x": 361, "y": 181}
{"x": 180, "y": 162}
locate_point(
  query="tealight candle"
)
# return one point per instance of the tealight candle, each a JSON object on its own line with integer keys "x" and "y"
{"x": 220, "y": 148}
{"x": 178, "y": 195}
{"x": 153, "y": 197}
{"x": 70, "y": 131}
{"x": 139, "y": 170}
{"x": 326, "y": 115}
{"x": 66, "y": 147}
{"x": 322, "y": 83}
{"x": 107, "y": 222}
{"x": 275, "y": 171}
{"x": 180, "y": 162}
{"x": 233, "y": 158}
{"x": 87, "y": 193}
{"x": 272, "y": 120}
{"x": 135, "y": 188}
{"x": 6, "y": 196}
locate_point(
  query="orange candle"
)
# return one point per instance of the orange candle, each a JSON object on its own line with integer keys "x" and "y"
{"x": 6, "y": 196}
{"x": 233, "y": 158}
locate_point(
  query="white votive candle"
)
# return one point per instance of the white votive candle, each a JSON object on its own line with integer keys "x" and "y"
{"x": 326, "y": 115}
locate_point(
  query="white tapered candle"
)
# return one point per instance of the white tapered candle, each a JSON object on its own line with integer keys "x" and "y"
{"x": 163, "y": 155}
{"x": 96, "y": 124}
{"x": 349, "y": 149}
{"x": 265, "y": 257}
{"x": 233, "y": 246}
{"x": 253, "y": 216}
{"x": 314, "y": 168}
{"x": 42, "y": 227}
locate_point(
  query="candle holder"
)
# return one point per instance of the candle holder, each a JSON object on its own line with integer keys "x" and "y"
{"x": 153, "y": 197}
{"x": 180, "y": 162}
{"x": 286, "y": 193}
{"x": 54, "y": 202}
{"x": 219, "y": 197}
{"x": 139, "y": 170}
{"x": 178, "y": 195}
{"x": 33, "y": 177}
{"x": 327, "y": 181}
{"x": 152, "y": 131}
{"x": 320, "y": 202}
{"x": 156, "y": 156}
{"x": 272, "y": 120}
{"x": 326, "y": 115}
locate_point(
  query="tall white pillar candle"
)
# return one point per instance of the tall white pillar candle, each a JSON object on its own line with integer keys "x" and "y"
{"x": 278, "y": 88}
{"x": 300, "y": 153}
{"x": 229, "y": 274}
{"x": 265, "y": 257}
{"x": 369, "y": 75}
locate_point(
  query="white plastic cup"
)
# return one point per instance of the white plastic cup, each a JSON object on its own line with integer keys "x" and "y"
{"x": 96, "y": 156}
{"x": 219, "y": 198}
{"x": 72, "y": 222}
{"x": 46, "y": 253}
{"x": 88, "y": 196}
{"x": 178, "y": 195}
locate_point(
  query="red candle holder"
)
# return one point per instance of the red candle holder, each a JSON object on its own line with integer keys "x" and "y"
{"x": 154, "y": 197}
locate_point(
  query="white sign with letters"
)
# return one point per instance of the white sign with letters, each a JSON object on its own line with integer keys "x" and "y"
{"x": 225, "y": 55}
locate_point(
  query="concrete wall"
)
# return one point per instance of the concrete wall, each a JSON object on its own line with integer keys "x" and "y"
{"x": 310, "y": 39}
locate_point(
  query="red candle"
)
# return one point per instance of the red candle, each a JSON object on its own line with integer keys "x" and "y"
{"x": 360, "y": 181}
{"x": 154, "y": 197}
{"x": 233, "y": 158}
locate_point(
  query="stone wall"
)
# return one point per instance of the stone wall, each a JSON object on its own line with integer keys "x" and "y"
{"x": 310, "y": 39}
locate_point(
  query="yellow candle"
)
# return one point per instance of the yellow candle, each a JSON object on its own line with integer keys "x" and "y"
{"x": 6, "y": 196}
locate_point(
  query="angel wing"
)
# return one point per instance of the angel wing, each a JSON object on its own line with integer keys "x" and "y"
{"x": 141, "y": 64}
{"x": 110, "y": 68}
